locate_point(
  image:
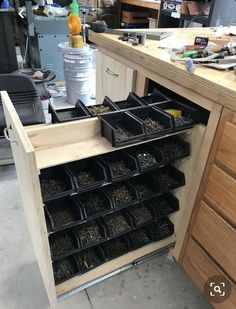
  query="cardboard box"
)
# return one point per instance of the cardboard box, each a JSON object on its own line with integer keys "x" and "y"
{"x": 153, "y": 23}
{"x": 194, "y": 8}
{"x": 135, "y": 17}
{"x": 184, "y": 8}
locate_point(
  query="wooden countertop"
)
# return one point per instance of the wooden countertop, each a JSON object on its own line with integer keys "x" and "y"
{"x": 217, "y": 85}
{"x": 151, "y": 4}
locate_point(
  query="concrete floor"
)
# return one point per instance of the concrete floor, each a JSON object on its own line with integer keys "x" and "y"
{"x": 156, "y": 284}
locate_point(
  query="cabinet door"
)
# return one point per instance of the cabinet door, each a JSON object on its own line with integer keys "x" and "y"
{"x": 113, "y": 79}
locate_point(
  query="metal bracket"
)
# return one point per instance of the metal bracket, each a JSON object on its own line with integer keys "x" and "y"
{"x": 7, "y": 135}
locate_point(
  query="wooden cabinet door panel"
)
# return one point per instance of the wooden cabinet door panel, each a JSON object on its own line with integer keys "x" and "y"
{"x": 217, "y": 237}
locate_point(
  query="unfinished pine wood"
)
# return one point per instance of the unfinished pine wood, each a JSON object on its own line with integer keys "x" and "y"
{"x": 227, "y": 150}
{"x": 27, "y": 174}
{"x": 112, "y": 265}
{"x": 217, "y": 237}
{"x": 200, "y": 268}
{"x": 215, "y": 85}
{"x": 145, "y": 4}
{"x": 113, "y": 79}
{"x": 221, "y": 194}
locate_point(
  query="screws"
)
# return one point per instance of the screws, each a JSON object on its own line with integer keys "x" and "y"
{"x": 63, "y": 269}
{"x": 161, "y": 229}
{"x": 61, "y": 243}
{"x": 182, "y": 121}
{"x": 121, "y": 195}
{"x": 139, "y": 238}
{"x": 172, "y": 149}
{"x": 153, "y": 126}
{"x": 99, "y": 109}
{"x": 146, "y": 158}
{"x": 85, "y": 178}
{"x": 122, "y": 133}
{"x": 62, "y": 215}
{"x": 119, "y": 167}
{"x": 140, "y": 214}
{"x": 116, "y": 223}
{"x": 92, "y": 203}
{"x": 116, "y": 247}
{"x": 52, "y": 186}
{"x": 87, "y": 259}
{"x": 89, "y": 233}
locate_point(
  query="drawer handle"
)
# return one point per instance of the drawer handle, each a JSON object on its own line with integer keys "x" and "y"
{"x": 108, "y": 71}
{"x": 7, "y": 136}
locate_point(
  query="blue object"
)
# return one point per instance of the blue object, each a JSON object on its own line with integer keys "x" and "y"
{"x": 5, "y": 4}
{"x": 56, "y": 5}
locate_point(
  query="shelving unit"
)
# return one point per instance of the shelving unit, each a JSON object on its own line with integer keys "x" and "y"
{"x": 45, "y": 146}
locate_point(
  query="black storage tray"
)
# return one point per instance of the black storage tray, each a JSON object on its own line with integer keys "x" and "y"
{"x": 159, "y": 230}
{"x": 146, "y": 186}
{"x": 172, "y": 148}
{"x": 141, "y": 214}
{"x": 89, "y": 259}
{"x": 110, "y": 122}
{"x": 155, "y": 97}
{"x": 148, "y": 155}
{"x": 85, "y": 232}
{"x": 163, "y": 121}
{"x": 116, "y": 247}
{"x": 66, "y": 269}
{"x": 129, "y": 165}
{"x": 113, "y": 224}
{"x": 96, "y": 173}
{"x": 138, "y": 238}
{"x": 106, "y": 103}
{"x": 68, "y": 114}
{"x": 164, "y": 205}
{"x": 59, "y": 177}
{"x": 169, "y": 178}
{"x": 65, "y": 206}
{"x": 104, "y": 203}
{"x": 190, "y": 114}
{"x": 62, "y": 243}
{"x": 132, "y": 101}
{"x": 128, "y": 187}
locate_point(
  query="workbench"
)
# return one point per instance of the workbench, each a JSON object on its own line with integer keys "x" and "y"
{"x": 204, "y": 239}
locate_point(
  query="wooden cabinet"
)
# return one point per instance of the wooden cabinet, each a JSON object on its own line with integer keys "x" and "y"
{"x": 210, "y": 245}
{"x": 114, "y": 79}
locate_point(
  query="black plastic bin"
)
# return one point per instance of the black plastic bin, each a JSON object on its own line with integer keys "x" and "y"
{"x": 89, "y": 259}
{"x": 122, "y": 194}
{"x": 117, "y": 224}
{"x": 155, "y": 121}
{"x": 160, "y": 229}
{"x": 59, "y": 181}
{"x": 68, "y": 114}
{"x": 121, "y": 128}
{"x": 63, "y": 213}
{"x": 90, "y": 233}
{"x": 119, "y": 165}
{"x": 164, "y": 205}
{"x": 172, "y": 148}
{"x": 62, "y": 243}
{"x": 141, "y": 214}
{"x": 155, "y": 97}
{"x": 116, "y": 247}
{"x": 138, "y": 238}
{"x": 132, "y": 101}
{"x": 87, "y": 174}
{"x": 146, "y": 186}
{"x": 169, "y": 178}
{"x": 147, "y": 157}
{"x": 94, "y": 203}
{"x": 106, "y": 104}
{"x": 190, "y": 115}
{"x": 64, "y": 269}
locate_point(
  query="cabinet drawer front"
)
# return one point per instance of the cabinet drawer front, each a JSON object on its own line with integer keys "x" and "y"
{"x": 226, "y": 153}
{"x": 200, "y": 268}
{"x": 221, "y": 193}
{"x": 217, "y": 237}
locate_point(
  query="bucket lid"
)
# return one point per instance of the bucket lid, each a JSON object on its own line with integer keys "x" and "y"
{"x": 65, "y": 48}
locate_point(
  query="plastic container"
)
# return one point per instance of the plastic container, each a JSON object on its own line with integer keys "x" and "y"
{"x": 169, "y": 178}
{"x": 65, "y": 207}
{"x": 64, "y": 269}
{"x": 119, "y": 165}
{"x": 117, "y": 224}
{"x": 172, "y": 148}
{"x": 190, "y": 115}
{"x": 155, "y": 122}
{"x": 62, "y": 244}
{"x": 87, "y": 174}
{"x": 85, "y": 232}
{"x": 106, "y": 103}
{"x": 155, "y": 97}
{"x": 58, "y": 180}
{"x": 68, "y": 114}
{"x": 132, "y": 101}
{"x": 164, "y": 205}
{"x": 146, "y": 186}
{"x": 112, "y": 122}
{"x": 138, "y": 238}
{"x": 116, "y": 247}
{"x": 147, "y": 157}
{"x": 141, "y": 214}
{"x": 115, "y": 190}
{"x": 160, "y": 229}
{"x": 94, "y": 209}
